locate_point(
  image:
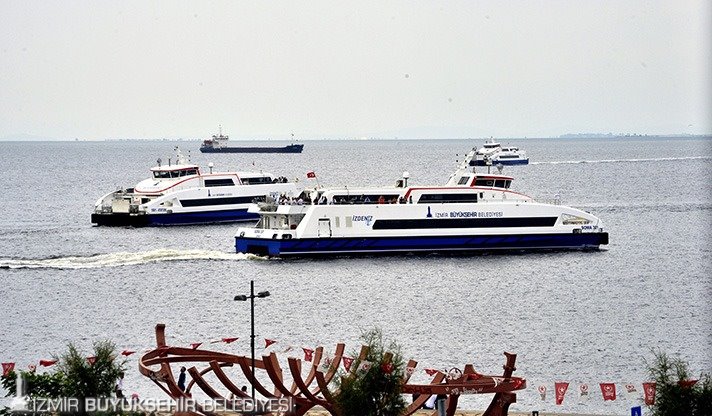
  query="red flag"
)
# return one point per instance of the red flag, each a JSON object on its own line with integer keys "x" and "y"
{"x": 431, "y": 371}
{"x": 649, "y": 392}
{"x": 91, "y": 360}
{"x": 560, "y": 389}
{"x": 7, "y": 368}
{"x": 126, "y": 353}
{"x": 347, "y": 363}
{"x": 387, "y": 368}
{"x": 311, "y": 174}
{"x": 687, "y": 383}
{"x": 229, "y": 340}
{"x": 47, "y": 363}
{"x": 542, "y": 391}
{"x": 269, "y": 342}
{"x": 195, "y": 345}
{"x": 308, "y": 354}
{"x": 609, "y": 391}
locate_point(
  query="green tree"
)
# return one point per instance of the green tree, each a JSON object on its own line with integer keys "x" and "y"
{"x": 376, "y": 392}
{"x": 673, "y": 398}
{"x": 84, "y": 379}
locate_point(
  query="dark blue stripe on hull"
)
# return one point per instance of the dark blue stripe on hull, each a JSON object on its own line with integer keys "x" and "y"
{"x": 338, "y": 246}
{"x": 127, "y": 220}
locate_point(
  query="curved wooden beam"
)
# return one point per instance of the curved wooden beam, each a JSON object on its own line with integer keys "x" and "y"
{"x": 295, "y": 369}
{"x": 202, "y": 373}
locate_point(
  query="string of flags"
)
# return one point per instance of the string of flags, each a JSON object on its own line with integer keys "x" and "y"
{"x": 608, "y": 391}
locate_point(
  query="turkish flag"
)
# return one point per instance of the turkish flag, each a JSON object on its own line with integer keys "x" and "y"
{"x": 47, "y": 363}
{"x": 7, "y": 368}
{"x": 431, "y": 371}
{"x": 609, "y": 391}
{"x": 649, "y": 393}
{"x": 195, "y": 345}
{"x": 126, "y": 353}
{"x": 308, "y": 354}
{"x": 387, "y": 368}
{"x": 311, "y": 174}
{"x": 91, "y": 360}
{"x": 269, "y": 342}
{"x": 687, "y": 383}
{"x": 560, "y": 389}
{"x": 229, "y": 340}
{"x": 347, "y": 363}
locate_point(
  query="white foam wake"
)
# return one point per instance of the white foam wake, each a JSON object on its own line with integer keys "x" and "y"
{"x": 656, "y": 159}
{"x": 121, "y": 259}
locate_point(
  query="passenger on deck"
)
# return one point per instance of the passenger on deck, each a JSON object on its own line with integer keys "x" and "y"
{"x": 381, "y": 200}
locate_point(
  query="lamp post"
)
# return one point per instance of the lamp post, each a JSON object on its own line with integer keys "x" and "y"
{"x": 252, "y": 297}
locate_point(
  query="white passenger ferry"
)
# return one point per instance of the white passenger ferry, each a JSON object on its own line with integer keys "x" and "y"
{"x": 179, "y": 193}
{"x": 472, "y": 212}
{"x": 493, "y": 153}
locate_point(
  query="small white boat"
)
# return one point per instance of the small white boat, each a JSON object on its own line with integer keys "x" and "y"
{"x": 179, "y": 193}
{"x": 493, "y": 153}
{"x": 472, "y": 212}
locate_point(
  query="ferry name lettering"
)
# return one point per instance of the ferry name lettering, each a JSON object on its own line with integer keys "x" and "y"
{"x": 476, "y": 214}
{"x": 365, "y": 218}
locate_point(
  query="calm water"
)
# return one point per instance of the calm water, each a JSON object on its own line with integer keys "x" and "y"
{"x": 577, "y": 317}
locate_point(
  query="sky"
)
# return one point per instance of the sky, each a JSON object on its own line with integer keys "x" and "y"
{"x": 108, "y": 69}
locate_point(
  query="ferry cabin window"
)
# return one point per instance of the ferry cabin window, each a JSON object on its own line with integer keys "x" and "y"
{"x": 219, "y": 182}
{"x": 463, "y": 180}
{"x": 447, "y": 198}
{"x": 256, "y": 181}
{"x": 484, "y": 182}
{"x": 161, "y": 174}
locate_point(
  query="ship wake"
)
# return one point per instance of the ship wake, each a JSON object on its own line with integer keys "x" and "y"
{"x": 655, "y": 159}
{"x": 122, "y": 259}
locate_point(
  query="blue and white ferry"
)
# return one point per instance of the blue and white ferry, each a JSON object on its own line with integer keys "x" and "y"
{"x": 472, "y": 212}
{"x": 180, "y": 193}
{"x": 493, "y": 153}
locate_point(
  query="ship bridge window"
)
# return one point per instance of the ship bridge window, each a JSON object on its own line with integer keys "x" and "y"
{"x": 463, "y": 180}
{"x": 484, "y": 182}
{"x": 447, "y": 198}
{"x": 256, "y": 181}
{"x": 500, "y": 183}
{"x": 219, "y": 182}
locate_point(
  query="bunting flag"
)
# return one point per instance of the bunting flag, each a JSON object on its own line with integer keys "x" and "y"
{"x": 91, "y": 360}
{"x": 583, "y": 388}
{"x": 560, "y": 390}
{"x": 31, "y": 368}
{"x": 387, "y": 368}
{"x": 431, "y": 371}
{"x": 311, "y": 174}
{"x": 347, "y": 363}
{"x": 542, "y": 391}
{"x": 687, "y": 383}
{"x": 7, "y": 368}
{"x": 409, "y": 371}
{"x": 126, "y": 353}
{"x": 289, "y": 348}
{"x": 364, "y": 366}
{"x": 649, "y": 393}
{"x": 229, "y": 340}
{"x": 631, "y": 390}
{"x": 308, "y": 354}
{"x": 636, "y": 411}
{"x": 608, "y": 390}
{"x": 47, "y": 363}
{"x": 269, "y": 342}
{"x": 195, "y": 345}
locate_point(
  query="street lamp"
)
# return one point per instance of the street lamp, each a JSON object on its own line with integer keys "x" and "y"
{"x": 252, "y": 297}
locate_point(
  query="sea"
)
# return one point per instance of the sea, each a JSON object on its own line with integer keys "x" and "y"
{"x": 578, "y": 317}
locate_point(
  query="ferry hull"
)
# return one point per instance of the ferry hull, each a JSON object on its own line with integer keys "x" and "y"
{"x": 305, "y": 247}
{"x": 188, "y": 218}
{"x": 500, "y": 162}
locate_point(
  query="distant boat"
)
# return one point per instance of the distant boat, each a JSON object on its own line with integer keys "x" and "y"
{"x": 218, "y": 144}
{"x": 492, "y": 153}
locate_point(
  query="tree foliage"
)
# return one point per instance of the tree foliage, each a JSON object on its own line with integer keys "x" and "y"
{"x": 673, "y": 398}
{"x": 376, "y": 392}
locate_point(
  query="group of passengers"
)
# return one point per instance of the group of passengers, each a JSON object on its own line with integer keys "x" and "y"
{"x": 281, "y": 179}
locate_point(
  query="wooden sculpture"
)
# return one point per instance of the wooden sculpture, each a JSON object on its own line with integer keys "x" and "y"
{"x": 306, "y": 392}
